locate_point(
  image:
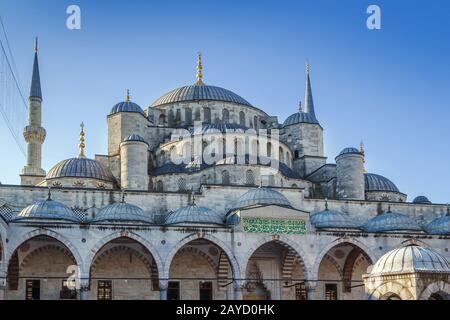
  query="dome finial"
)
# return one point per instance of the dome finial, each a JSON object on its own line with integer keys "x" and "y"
{"x": 326, "y": 203}
{"x": 81, "y": 144}
{"x": 389, "y": 208}
{"x": 300, "y": 106}
{"x": 199, "y": 70}
{"x": 49, "y": 194}
{"x": 363, "y": 152}
{"x": 123, "y": 197}
{"x": 127, "y": 97}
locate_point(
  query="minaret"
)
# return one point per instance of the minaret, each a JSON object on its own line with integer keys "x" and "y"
{"x": 309, "y": 103}
{"x": 34, "y": 134}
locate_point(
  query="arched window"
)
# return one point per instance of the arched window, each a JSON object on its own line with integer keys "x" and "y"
{"x": 294, "y": 186}
{"x": 288, "y": 159}
{"x": 159, "y": 186}
{"x": 207, "y": 115}
{"x": 188, "y": 116}
{"x": 255, "y": 122}
{"x": 162, "y": 157}
{"x": 242, "y": 118}
{"x": 181, "y": 184}
{"x": 271, "y": 180}
{"x": 296, "y": 154}
{"x": 178, "y": 116}
{"x": 225, "y": 177}
{"x": 162, "y": 119}
{"x": 197, "y": 114}
{"x": 249, "y": 178}
{"x": 225, "y": 115}
{"x": 269, "y": 150}
{"x": 281, "y": 153}
{"x": 171, "y": 119}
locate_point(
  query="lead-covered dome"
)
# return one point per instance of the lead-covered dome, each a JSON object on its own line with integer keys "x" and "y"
{"x": 80, "y": 168}
{"x": 194, "y": 93}
{"x": 193, "y": 214}
{"x": 350, "y": 150}
{"x": 411, "y": 259}
{"x": 300, "y": 117}
{"x": 134, "y": 137}
{"x": 421, "y": 200}
{"x": 375, "y": 182}
{"x": 391, "y": 222}
{"x": 47, "y": 210}
{"x": 260, "y": 196}
{"x": 440, "y": 225}
{"x": 121, "y": 212}
{"x": 330, "y": 219}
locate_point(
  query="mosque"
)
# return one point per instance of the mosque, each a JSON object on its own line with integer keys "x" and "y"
{"x": 203, "y": 195}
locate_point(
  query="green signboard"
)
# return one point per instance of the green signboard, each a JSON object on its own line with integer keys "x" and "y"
{"x": 274, "y": 225}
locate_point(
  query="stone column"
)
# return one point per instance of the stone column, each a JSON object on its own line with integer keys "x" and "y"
{"x": 237, "y": 289}
{"x": 84, "y": 289}
{"x": 163, "y": 284}
{"x": 310, "y": 289}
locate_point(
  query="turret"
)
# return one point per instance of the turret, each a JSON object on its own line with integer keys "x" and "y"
{"x": 350, "y": 174}
{"x": 134, "y": 163}
{"x": 304, "y": 135}
{"x": 34, "y": 133}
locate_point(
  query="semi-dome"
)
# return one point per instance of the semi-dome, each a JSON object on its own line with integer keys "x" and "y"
{"x": 350, "y": 150}
{"x": 121, "y": 212}
{"x": 391, "y": 221}
{"x": 47, "y": 210}
{"x": 261, "y": 196}
{"x": 198, "y": 93}
{"x": 80, "y": 168}
{"x": 440, "y": 225}
{"x": 300, "y": 117}
{"x": 421, "y": 200}
{"x": 134, "y": 137}
{"x": 330, "y": 219}
{"x": 412, "y": 258}
{"x": 375, "y": 182}
{"x": 194, "y": 214}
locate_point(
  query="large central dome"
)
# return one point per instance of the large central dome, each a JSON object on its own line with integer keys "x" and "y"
{"x": 198, "y": 93}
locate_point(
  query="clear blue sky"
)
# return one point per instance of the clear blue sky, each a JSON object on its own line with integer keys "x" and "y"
{"x": 389, "y": 87}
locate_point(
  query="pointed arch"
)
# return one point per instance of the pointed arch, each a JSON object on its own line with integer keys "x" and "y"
{"x": 124, "y": 234}
{"x": 438, "y": 286}
{"x": 388, "y": 289}
{"x": 219, "y": 243}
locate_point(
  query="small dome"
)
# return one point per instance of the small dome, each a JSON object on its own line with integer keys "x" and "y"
{"x": 350, "y": 150}
{"x": 126, "y": 106}
{"x": 412, "y": 258}
{"x": 421, "y": 200}
{"x": 47, "y": 210}
{"x": 80, "y": 167}
{"x": 200, "y": 92}
{"x": 233, "y": 218}
{"x": 375, "y": 182}
{"x": 391, "y": 221}
{"x": 300, "y": 117}
{"x": 134, "y": 137}
{"x": 330, "y": 219}
{"x": 194, "y": 214}
{"x": 261, "y": 196}
{"x": 121, "y": 212}
{"x": 440, "y": 225}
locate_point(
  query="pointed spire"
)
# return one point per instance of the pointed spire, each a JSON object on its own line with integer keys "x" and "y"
{"x": 81, "y": 144}
{"x": 35, "y": 90}
{"x": 199, "y": 71}
{"x": 309, "y": 103}
{"x": 127, "y": 97}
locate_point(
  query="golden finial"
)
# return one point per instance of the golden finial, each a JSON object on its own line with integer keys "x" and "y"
{"x": 49, "y": 194}
{"x": 300, "y": 106}
{"x": 199, "y": 71}
{"x": 81, "y": 145}
{"x": 127, "y": 97}
{"x": 193, "y": 197}
{"x": 123, "y": 197}
{"x": 36, "y": 47}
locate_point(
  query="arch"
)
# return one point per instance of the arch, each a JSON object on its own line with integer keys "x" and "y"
{"x": 159, "y": 186}
{"x": 285, "y": 242}
{"x": 365, "y": 249}
{"x": 124, "y": 234}
{"x": 162, "y": 119}
{"x": 207, "y": 114}
{"x": 225, "y": 115}
{"x": 219, "y": 243}
{"x": 49, "y": 247}
{"x": 225, "y": 177}
{"x": 438, "y": 286}
{"x": 387, "y": 289}
{"x": 242, "y": 118}
{"x": 51, "y": 234}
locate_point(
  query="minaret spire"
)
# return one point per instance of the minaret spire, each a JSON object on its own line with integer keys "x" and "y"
{"x": 34, "y": 133}
{"x": 199, "y": 71}
{"x": 81, "y": 144}
{"x": 309, "y": 103}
